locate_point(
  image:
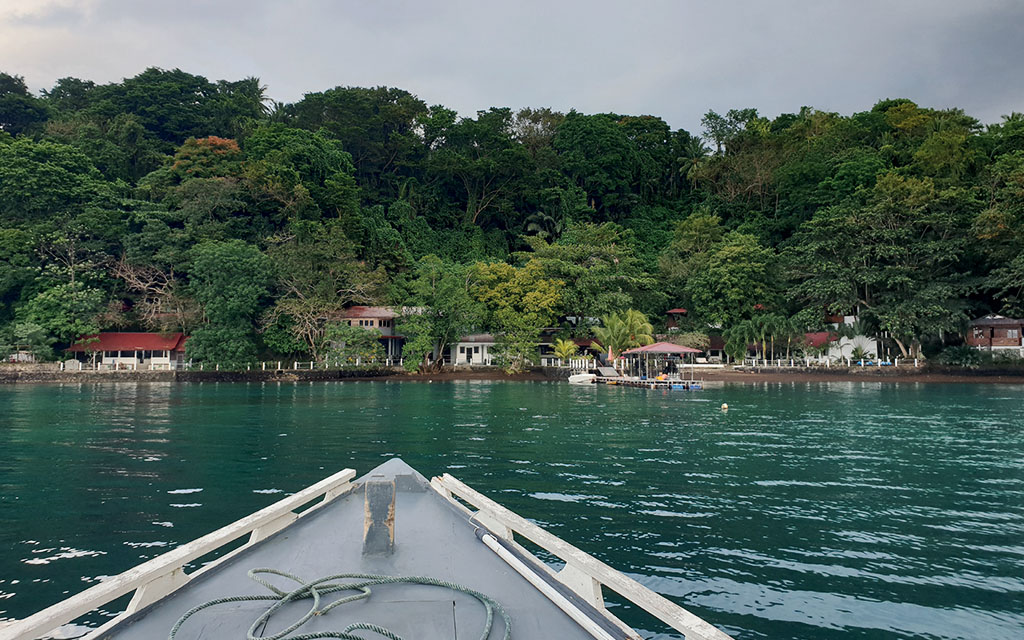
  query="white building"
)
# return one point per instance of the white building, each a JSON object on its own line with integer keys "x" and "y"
{"x": 128, "y": 350}
{"x": 473, "y": 349}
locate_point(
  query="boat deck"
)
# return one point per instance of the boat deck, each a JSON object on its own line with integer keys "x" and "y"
{"x": 432, "y": 538}
{"x": 391, "y": 522}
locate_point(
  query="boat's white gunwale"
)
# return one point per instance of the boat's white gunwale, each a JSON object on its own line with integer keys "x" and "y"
{"x": 161, "y": 576}
{"x": 577, "y": 562}
{"x": 164, "y": 574}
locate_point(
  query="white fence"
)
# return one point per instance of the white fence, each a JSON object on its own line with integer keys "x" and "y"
{"x": 824, "y": 361}
{"x": 312, "y": 365}
{"x": 275, "y": 365}
{"x": 78, "y": 365}
{"x": 578, "y": 364}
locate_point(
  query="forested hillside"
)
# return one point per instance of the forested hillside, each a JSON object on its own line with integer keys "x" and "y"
{"x": 168, "y": 202}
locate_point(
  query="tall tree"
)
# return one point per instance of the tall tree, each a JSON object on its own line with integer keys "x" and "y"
{"x": 445, "y": 310}
{"x": 598, "y": 266}
{"x": 20, "y": 111}
{"x": 519, "y": 303}
{"x": 229, "y": 279}
{"x": 318, "y": 275}
{"x": 896, "y": 258}
{"x": 734, "y": 278}
{"x": 378, "y": 126}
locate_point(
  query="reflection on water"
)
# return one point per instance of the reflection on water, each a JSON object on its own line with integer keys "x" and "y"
{"x": 842, "y": 510}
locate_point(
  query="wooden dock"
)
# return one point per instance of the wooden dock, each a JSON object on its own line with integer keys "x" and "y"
{"x": 652, "y": 383}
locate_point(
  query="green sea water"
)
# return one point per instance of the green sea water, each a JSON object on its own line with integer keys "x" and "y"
{"x": 838, "y": 510}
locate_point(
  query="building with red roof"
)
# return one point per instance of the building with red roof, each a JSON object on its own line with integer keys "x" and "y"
{"x": 133, "y": 350}
{"x": 675, "y": 316}
{"x": 380, "y": 318}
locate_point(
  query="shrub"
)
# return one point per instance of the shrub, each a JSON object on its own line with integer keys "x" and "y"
{"x": 963, "y": 356}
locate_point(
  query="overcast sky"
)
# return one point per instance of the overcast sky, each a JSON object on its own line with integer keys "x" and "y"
{"x": 674, "y": 59}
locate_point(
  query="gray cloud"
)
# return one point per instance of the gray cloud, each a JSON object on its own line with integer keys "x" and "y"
{"x": 671, "y": 59}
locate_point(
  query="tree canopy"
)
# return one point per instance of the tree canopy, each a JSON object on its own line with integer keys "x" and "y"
{"x": 168, "y": 200}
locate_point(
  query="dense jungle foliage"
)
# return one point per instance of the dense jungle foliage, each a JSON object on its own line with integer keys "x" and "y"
{"x": 169, "y": 202}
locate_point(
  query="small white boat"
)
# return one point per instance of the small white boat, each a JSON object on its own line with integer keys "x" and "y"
{"x": 450, "y": 562}
{"x": 582, "y": 378}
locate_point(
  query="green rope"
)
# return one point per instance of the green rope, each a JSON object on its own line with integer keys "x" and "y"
{"x": 326, "y": 585}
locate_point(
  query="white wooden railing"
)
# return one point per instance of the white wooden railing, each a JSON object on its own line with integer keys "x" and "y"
{"x": 583, "y": 573}
{"x": 830, "y": 361}
{"x": 577, "y": 364}
{"x": 165, "y": 573}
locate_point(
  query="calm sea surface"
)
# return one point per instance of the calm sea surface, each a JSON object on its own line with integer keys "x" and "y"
{"x": 840, "y": 510}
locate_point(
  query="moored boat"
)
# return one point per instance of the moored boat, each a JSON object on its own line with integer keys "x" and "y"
{"x": 389, "y": 550}
{"x": 582, "y": 378}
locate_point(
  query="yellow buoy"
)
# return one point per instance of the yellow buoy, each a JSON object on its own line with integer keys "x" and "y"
{"x": 725, "y": 406}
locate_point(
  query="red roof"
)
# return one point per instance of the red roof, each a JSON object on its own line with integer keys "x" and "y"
{"x": 130, "y": 342}
{"x": 819, "y": 338}
{"x": 679, "y": 310}
{"x": 360, "y": 311}
{"x": 662, "y": 347}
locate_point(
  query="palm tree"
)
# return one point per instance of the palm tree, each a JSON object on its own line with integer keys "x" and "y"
{"x": 762, "y": 326}
{"x": 693, "y": 155}
{"x": 544, "y": 226}
{"x": 738, "y": 337}
{"x": 775, "y": 326}
{"x": 565, "y": 349}
{"x": 623, "y": 331}
{"x": 792, "y": 330}
{"x": 781, "y": 327}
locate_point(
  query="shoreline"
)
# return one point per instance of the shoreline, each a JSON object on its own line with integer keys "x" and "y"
{"x": 753, "y": 377}
{"x": 890, "y": 376}
{"x": 759, "y": 376}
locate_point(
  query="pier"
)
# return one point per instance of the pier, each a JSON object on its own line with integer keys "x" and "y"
{"x": 653, "y": 383}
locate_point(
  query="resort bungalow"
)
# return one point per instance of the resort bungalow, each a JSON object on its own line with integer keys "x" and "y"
{"x": 716, "y": 348}
{"x": 134, "y": 350}
{"x": 675, "y": 316}
{"x": 477, "y": 348}
{"x": 997, "y": 333}
{"x": 380, "y": 318}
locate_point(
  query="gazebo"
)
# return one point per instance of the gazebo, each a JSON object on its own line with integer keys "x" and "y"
{"x": 657, "y": 351}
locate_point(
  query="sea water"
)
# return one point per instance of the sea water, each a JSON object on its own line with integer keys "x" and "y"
{"x": 810, "y": 510}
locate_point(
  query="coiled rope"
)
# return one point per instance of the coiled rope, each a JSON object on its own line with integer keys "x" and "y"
{"x": 323, "y": 586}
